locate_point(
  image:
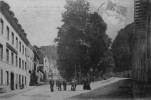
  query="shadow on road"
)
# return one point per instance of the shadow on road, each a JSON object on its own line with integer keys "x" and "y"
{"x": 109, "y": 92}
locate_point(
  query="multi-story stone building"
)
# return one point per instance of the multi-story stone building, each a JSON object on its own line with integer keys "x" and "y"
{"x": 34, "y": 70}
{"x": 13, "y": 46}
{"x": 30, "y": 62}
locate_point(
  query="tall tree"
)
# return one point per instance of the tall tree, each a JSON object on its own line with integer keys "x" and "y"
{"x": 99, "y": 42}
{"x": 82, "y": 40}
{"x": 122, "y": 48}
{"x": 70, "y": 36}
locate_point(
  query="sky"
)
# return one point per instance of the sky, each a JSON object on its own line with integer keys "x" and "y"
{"x": 40, "y": 18}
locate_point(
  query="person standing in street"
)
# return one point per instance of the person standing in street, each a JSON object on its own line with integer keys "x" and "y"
{"x": 88, "y": 81}
{"x": 59, "y": 85}
{"x": 51, "y": 82}
{"x": 76, "y": 82}
{"x": 84, "y": 84}
{"x": 73, "y": 85}
{"x": 64, "y": 85}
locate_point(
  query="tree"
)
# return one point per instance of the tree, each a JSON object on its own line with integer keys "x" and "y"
{"x": 82, "y": 40}
{"x": 122, "y": 48}
{"x": 70, "y": 47}
{"x": 99, "y": 42}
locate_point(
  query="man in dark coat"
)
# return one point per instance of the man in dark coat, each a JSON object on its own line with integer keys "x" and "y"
{"x": 64, "y": 85}
{"x": 84, "y": 84}
{"x": 51, "y": 82}
{"x": 59, "y": 85}
{"x": 88, "y": 84}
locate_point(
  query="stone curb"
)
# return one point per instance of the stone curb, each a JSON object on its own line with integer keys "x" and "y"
{"x": 15, "y": 92}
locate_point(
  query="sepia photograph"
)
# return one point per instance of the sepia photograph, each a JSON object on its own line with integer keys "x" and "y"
{"x": 75, "y": 50}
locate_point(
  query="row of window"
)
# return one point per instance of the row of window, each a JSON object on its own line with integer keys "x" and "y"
{"x": 22, "y": 48}
{"x": 14, "y": 58}
{"x": 30, "y": 65}
{"x": 22, "y": 63}
{"x": 21, "y": 79}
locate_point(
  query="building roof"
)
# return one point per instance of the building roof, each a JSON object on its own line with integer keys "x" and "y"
{"x": 9, "y": 15}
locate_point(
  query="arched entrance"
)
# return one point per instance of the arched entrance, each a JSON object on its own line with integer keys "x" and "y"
{"x": 12, "y": 81}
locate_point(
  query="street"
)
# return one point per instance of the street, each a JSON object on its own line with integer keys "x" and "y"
{"x": 43, "y": 92}
{"x": 75, "y": 49}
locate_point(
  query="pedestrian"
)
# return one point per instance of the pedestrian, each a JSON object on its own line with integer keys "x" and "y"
{"x": 64, "y": 85}
{"x": 88, "y": 84}
{"x": 84, "y": 83}
{"x": 59, "y": 85}
{"x": 73, "y": 85}
{"x": 51, "y": 82}
{"x": 76, "y": 82}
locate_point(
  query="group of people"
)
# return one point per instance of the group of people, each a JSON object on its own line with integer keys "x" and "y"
{"x": 86, "y": 84}
{"x": 58, "y": 85}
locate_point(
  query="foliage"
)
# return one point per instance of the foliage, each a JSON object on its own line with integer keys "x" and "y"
{"x": 99, "y": 42}
{"x": 82, "y": 41}
{"x": 50, "y": 51}
{"x": 122, "y": 48}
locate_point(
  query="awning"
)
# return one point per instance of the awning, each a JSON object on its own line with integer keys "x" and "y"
{"x": 11, "y": 48}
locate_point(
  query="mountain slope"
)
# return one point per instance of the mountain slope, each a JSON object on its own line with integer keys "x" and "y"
{"x": 51, "y": 51}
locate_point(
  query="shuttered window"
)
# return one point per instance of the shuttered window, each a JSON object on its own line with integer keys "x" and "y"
{"x": 1, "y": 76}
{"x": 7, "y": 33}
{"x": 7, "y": 55}
{"x": 1, "y": 52}
{"x": 1, "y": 26}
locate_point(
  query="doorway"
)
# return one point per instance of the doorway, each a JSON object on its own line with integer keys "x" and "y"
{"x": 12, "y": 81}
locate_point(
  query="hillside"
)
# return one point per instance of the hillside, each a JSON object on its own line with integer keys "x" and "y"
{"x": 51, "y": 51}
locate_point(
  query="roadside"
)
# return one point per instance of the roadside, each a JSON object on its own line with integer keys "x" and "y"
{"x": 44, "y": 92}
{"x": 15, "y": 92}
{"x": 111, "y": 91}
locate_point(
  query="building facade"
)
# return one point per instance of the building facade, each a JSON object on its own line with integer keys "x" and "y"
{"x": 141, "y": 59}
{"x": 34, "y": 71}
{"x": 46, "y": 66}
{"x": 13, "y": 46}
{"x": 30, "y": 62}
{"x": 53, "y": 72}
{"x": 43, "y": 64}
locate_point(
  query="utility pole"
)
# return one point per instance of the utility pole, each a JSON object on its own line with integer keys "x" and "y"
{"x": 100, "y": 7}
{"x": 75, "y": 71}
{"x": 79, "y": 72}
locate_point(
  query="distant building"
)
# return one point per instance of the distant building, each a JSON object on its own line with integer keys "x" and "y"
{"x": 43, "y": 63}
{"x": 34, "y": 69}
{"x": 13, "y": 47}
{"x": 53, "y": 72}
{"x": 46, "y": 66}
{"x": 51, "y": 53}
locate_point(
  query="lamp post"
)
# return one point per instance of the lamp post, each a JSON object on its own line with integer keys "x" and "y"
{"x": 100, "y": 7}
